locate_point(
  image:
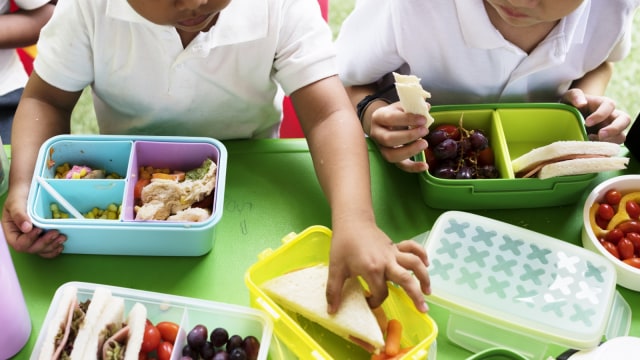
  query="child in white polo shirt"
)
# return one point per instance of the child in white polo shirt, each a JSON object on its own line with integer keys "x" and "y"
{"x": 482, "y": 51}
{"x": 209, "y": 68}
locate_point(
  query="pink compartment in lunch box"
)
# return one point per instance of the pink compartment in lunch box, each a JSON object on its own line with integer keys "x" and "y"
{"x": 173, "y": 155}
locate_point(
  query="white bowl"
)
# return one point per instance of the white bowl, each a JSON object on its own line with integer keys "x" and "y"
{"x": 627, "y": 276}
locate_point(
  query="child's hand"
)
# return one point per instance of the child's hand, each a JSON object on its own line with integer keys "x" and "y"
{"x": 603, "y": 121}
{"x": 22, "y": 235}
{"x": 373, "y": 256}
{"x": 399, "y": 136}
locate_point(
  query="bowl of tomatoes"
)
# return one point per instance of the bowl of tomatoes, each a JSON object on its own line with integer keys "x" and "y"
{"x": 471, "y": 148}
{"x": 611, "y": 226}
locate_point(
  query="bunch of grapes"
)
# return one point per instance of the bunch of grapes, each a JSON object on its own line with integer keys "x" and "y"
{"x": 457, "y": 153}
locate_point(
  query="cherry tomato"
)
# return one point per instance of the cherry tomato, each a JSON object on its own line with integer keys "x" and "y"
{"x": 611, "y": 248}
{"x": 168, "y": 330}
{"x": 164, "y": 350}
{"x": 612, "y": 197}
{"x": 151, "y": 338}
{"x": 432, "y": 161}
{"x": 633, "y": 209}
{"x": 485, "y": 157}
{"x": 635, "y": 262}
{"x": 137, "y": 190}
{"x": 614, "y": 236}
{"x": 143, "y": 356}
{"x": 625, "y": 248}
{"x": 452, "y": 130}
{"x": 630, "y": 226}
{"x": 605, "y": 211}
{"x": 635, "y": 239}
{"x": 602, "y": 223}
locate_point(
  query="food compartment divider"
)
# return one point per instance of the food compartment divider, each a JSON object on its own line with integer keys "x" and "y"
{"x": 181, "y": 156}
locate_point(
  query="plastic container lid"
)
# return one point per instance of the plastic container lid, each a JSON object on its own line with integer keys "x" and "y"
{"x": 522, "y": 285}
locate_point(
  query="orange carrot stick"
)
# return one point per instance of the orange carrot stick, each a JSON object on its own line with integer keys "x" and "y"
{"x": 394, "y": 334}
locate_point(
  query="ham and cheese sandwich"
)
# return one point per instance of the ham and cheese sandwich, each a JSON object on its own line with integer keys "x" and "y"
{"x": 569, "y": 158}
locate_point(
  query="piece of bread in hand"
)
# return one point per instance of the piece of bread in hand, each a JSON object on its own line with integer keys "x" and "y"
{"x": 569, "y": 158}
{"x": 303, "y": 292}
{"x": 412, "y": 96}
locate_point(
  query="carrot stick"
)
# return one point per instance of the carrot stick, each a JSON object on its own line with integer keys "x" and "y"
{"x": 394, "y": 334}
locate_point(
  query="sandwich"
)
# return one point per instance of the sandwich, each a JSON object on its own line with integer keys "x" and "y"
{"x": 70, "y": 321}
{"x": 569, "y": 158}
{"x": 96, "y": 331}
{"x": 303, "y": 292}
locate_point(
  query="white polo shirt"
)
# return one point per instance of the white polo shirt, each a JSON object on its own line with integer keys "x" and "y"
{"x": 12, "y": 73}
{"x": 461, "y": 58}
{"x": 223, "y": 85}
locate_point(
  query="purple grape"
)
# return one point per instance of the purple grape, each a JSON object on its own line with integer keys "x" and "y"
{"x": 465, "y": 172}
{"x": 251, "y": 346}
{"x": 219, "y": 337}
{"x": 237, "y": 354}
{"x": 436, "y": 137}
{"x": 478, "y": 140}
{"x": 444, "y": 172}
{"x": 448, "y": 149}
{"x": 197, "y": 337}
{"x": 235, "y": 341}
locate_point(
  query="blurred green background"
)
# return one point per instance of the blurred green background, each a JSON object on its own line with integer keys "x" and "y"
{"x": 624, "y": 87}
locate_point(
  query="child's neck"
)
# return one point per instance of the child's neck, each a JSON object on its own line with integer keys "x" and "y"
{"x": 526, "y": 38}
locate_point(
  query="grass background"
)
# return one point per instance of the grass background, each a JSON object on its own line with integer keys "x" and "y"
{"x": 624, "y": 87}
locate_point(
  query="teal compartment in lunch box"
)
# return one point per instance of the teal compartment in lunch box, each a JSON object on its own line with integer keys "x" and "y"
{"x": 509, "y": 287}
{"x": 513, "y": 130}
{"x": 120, "y": 155}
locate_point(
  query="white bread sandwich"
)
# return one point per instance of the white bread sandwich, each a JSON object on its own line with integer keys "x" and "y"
{"x": 69, "y": 328}
{"x": 303, "y": 292}
{"x": 120, "y": 340}
{"x": 99, "y": 301}
{"x": 569, "y": 158}
{"x": 96, "y": 331}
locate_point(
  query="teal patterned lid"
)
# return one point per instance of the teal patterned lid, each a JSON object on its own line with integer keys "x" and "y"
{"x": 519, "y": 279}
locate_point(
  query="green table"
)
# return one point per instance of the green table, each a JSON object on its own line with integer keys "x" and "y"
{"x": 271, "y": 191}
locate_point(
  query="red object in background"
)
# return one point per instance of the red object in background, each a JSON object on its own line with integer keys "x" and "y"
{"x": 290, "y": 127}
{"x": 27, "y": 60}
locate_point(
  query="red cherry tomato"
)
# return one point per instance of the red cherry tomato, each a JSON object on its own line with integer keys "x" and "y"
{"x": 614, "y": 236}
{"x": 485, "y": 157}
{"x": 633, "y": 209}
{"x": 452, "y": 130}
{"x": 612, "y": 197}
{"x": 137, "y": 189}
{"x": 625, "y": 248}
{"x": 164, "y": 350}
{"x": 151, "y": 338}
{"x": 611, "y": 248}
{"x": 432, "y": 161}
{"x": 168, "y": 331}
{"x": 635, "y": 239}
{"x": 635, "y": 262}
{"x": 605, "y": 211}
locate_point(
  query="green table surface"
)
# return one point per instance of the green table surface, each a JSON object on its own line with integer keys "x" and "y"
{"x": 271, "y": 191}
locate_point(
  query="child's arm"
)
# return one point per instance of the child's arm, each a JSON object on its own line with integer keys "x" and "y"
{"x": 604, "y": 121}
{"x": 44, "y": 111}
{"x": 341, "y": 162}
{"x": 22, "y": 28}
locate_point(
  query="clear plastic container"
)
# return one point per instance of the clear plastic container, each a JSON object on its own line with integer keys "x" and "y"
{"x": 14, "y": 316}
